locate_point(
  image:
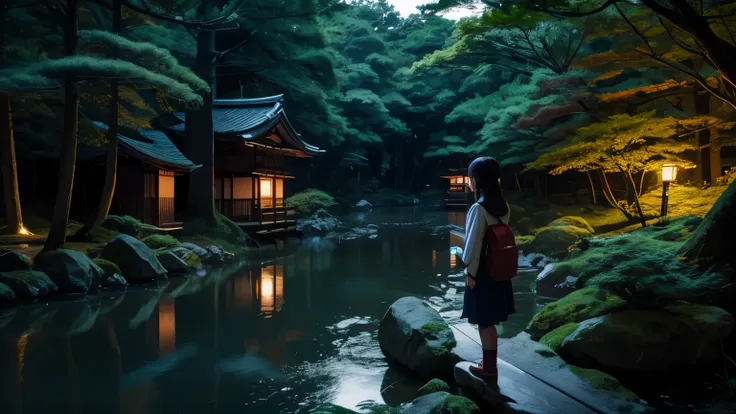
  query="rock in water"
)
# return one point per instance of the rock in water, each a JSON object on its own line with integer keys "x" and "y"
{"x": 10, "y": 261}
{"x": 135, "y": 259}
{"x": 363, "y": 205}
{"x": 28, "y": 284}
{"x": 320, "y": 222}
{"x": 7, "y": 296}
{"x": 172, "y": 263}
{"x": 650, "y": 341}
{"x": 195, "y": 249}
{"x": 72, "y": 271}
{"x": 578, "y": 306}
{"x": 433, "y": 386}
{"x": 441, "y": 402}
{"x": 415, "y": 335}
{"x": 115, "y": 281}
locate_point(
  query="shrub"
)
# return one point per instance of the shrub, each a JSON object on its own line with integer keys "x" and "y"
{"x": 157, "y": 241}
{"x": 309, "y": 201}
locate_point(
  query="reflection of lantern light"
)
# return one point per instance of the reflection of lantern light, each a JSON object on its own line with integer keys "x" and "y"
{"x": 272, "y": 289}
{"x": 434, "y": 258}
{"x": 279, "y": 287}
{"x": 166, "y": 327}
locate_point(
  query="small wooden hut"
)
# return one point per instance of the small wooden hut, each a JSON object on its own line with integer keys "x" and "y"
{"x": 458, "y": 194}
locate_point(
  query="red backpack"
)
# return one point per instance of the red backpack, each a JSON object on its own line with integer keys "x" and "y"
{"x": 502, "y": 255}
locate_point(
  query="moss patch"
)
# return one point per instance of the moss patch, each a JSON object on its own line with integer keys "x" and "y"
{"x": 576, "y": 307}
{"x": 223, "y": 230}
{"x": 602, "y": 381}
{"x": 192, "y": 260}
{"x": 123, "y": 224}
{"x": 309, "y": 201}
{"x": 554, "y": 339}
{"x": 157, "y": 241}
{"x": 455, "y": 404}
{"x": 685, "y": 200}
{"x": 574, "y": 221}
{"x": 432, "y": 328}
{"x": 435, "y": 385}
{"x": 108, "y": 267}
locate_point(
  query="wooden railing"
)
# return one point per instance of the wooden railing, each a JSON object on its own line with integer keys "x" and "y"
{"x": 278, "y": 216}
{"x": 166, "y": 211}
{"x": 248, "y": 211}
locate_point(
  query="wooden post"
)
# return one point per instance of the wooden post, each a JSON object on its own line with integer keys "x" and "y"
{"x": 157, "y": 182}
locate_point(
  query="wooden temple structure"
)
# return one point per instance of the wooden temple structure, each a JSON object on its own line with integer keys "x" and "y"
{"x": 458, "y": 195}
{"x": 148, "y": 165}
{"x": 253, "y": 139}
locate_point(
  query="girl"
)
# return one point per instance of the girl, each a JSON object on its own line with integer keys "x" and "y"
{"x": 487, "y": 302}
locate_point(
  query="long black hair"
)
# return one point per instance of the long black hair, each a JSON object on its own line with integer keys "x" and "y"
{"x": 485, "y": 173}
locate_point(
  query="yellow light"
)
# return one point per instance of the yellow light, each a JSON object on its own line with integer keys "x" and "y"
{"x": 24, "y": 231}
{"x": 266, "y": 188}
{"x": 669, "y": 173}
{"x": 268, "y": 299}
{"x": 453, "y": 261}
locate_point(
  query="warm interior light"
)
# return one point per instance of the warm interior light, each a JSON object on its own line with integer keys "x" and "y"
{"x": 24, "y": 231}
{"x": 453, "y": 261}
{"x": 266, "y": 188}
{"x": 669, "y": 173}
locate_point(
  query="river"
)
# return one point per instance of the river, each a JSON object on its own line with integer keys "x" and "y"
{"x": 269, "y": 336}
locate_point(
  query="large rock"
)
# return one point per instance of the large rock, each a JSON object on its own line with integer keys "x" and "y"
{"x": 320, "y": 222}
{"x": 555, "y": 281}
{"x": 556, "y": 239}
{"x": 363, "y": 205}
{"x": 649, "y": 341}
{"x": 441, "y": 403}
{"x": 414, "y": 335}
{"x": 72, "y": 271}
{"x": 10, "y": 261}
{"x": 28, "y": 284}
{"x": 135, "y": 259}
{"x": 7, "y": 296}
{"x": 578, "y": 306}
{"x": 172, "y": 263}
{"x": 433, "y": 386}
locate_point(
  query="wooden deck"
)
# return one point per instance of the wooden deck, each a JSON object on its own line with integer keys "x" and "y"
{"x": 458, "y": 200}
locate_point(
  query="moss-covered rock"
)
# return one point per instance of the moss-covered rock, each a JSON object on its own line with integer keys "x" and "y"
{"x": 193, "y": 260}
{"x": 309, "y": 201}
{"x": 172, "y": 263}
{"x": 108, "y": 268}
{"x": 554, "y": 338}
{"x": 28, "y": 284}
{"x": 574, "y": 221}
{"x": 649, "y": 341}
{"x": 135, "y": 259}
{"x": 415, "y": 335}
{"x": 578, "y": 306}
{"x": 441, "y": 403}
{"x": 123, "y": 224}
{"x": 435, "y": 385}
{"x": 72, "y": 271}
{"x": 602, "y": 381}
{"x": 10, "y": 261}
{"x": 331, "y": 409}
{"x": 556, "y": 240}
{"x": 158, "y": 241}
{"x": 7, "y": 296}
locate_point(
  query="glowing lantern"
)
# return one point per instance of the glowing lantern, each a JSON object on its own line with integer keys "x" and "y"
{"x": 669, "y": 173}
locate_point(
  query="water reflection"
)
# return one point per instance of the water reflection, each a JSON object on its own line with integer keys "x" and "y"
{"x": 265, "y": 338}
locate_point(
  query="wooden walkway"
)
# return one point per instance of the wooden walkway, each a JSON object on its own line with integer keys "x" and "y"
{"x": 530, "y": 382}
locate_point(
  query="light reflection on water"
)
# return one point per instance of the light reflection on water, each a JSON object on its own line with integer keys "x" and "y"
{"x": 280, "y": 336}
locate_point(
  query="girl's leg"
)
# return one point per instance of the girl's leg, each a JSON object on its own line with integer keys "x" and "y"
{"x": 489, "y": 341}
{"x": 489, "y": 338}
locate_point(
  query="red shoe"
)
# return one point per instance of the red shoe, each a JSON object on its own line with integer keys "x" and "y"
{"x": 485, "y": 374}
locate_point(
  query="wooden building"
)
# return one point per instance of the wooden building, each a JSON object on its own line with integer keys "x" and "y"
{"x": 147, "y": 169}
{"x": 253, "y": 140}
{"x": 458, "y": 194}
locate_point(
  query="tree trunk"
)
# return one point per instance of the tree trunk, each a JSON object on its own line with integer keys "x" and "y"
{"x": 715, "y": 158}
{"x": 630, "y": 178}
{"x": 592, "y": 187}
{"x": 13, "y": 214}
{"x": 68, "y": 155}
{"x": 712, "y": 241}
{"x": 111, "y": 169}
{"x": 200, "y": 134}
{"x": 610, "y": 197}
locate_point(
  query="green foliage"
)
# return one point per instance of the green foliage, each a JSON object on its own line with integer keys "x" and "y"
{"x": 107, "y": 266}
{"x": 553, "y": 339}
{"x": 309, "y": 201}
{"x": 157, "y": 241}
{"x": 434, "y": 385}
{"x": 123, "y": 224}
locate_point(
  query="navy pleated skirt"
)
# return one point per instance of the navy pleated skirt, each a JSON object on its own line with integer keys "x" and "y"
{"x": 491, "y": 302}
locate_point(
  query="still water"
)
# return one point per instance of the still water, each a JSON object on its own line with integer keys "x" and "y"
{"x": 267, "y": 336}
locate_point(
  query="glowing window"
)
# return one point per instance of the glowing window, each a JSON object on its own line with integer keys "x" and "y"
{"x": 266, "y": 188}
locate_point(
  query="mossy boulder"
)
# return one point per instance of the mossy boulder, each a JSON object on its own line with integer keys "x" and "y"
{"x": 123, "y": 224}
{"x": 135, "y": 259}
{"x": 10, "y": 260}
{"x": 574, "y": 221}
{"x": 321, "y": 222}
{"x": 578, "y": 306}
{"x": 674, "y": 337}
{"x": 72, "y": 271}
{"x": 172, "y": 263}
{"x": 158, "y": 241}
{"x": 554, "y": 339}
{"x": 441, "y": 403}
{"x": 415, "y": 336}
{"x": 108, "y": 268}
{"x": 558, "y": 237}
{"x": 7, "y": 296}
{"x": 435, "y": 385}
{"x": 309, "y": 201}
{"x": 602, "y": 381}
{"x": 28, "y": 284}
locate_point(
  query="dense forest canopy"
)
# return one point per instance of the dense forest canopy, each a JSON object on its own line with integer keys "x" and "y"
{"x": 387, "y": 95}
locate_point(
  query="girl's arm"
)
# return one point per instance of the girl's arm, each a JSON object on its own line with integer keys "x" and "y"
{"x": 475, "y": 229}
